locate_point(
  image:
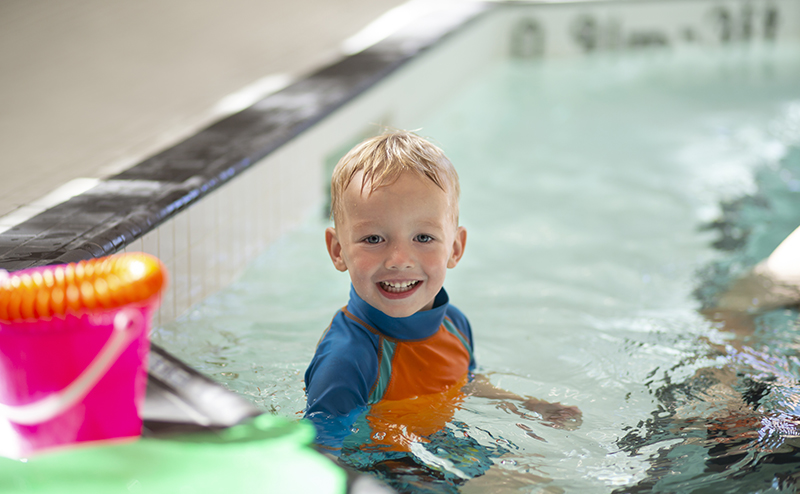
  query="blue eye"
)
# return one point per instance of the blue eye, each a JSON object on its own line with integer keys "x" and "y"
{"x": 373, "y": 239}
{"x": 424, "y": 238}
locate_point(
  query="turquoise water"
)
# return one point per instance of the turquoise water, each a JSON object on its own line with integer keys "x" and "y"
{"x": 590, "y": 191}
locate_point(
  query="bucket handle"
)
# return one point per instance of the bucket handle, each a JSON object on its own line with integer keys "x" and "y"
{"x": 47, "y": 408}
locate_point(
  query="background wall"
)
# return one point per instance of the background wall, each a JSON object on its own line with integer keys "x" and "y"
{"x": 90, "y": 87}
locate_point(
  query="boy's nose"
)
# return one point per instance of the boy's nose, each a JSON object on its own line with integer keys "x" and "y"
{"x": 399, "y": 258}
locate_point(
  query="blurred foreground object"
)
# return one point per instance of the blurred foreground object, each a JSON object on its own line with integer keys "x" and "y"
{"x": 266, "y": 454}
{"x": 74, "y": 342}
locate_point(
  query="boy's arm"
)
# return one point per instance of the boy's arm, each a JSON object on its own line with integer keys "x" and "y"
{"x": 553, "y": 414}
{"x": 333, "y": 407}
{"x": 338, "y": 381}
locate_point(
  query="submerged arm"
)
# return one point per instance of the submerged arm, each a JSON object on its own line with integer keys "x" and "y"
{"x": 553, "y": 414}
{"x": 772, "y": 283}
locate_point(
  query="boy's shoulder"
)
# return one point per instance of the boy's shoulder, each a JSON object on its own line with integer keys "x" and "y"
{"x": 457, "y": 316}
{"x": 347, "y": 332}
{"x": 344, "y": 366}
{"x": 454, "y": 312}
{"x": 460, "y": 321}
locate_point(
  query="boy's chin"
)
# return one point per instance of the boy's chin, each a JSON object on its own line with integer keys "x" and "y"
{"x": 398, "y": 312}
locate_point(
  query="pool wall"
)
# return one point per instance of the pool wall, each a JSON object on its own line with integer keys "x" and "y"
{"x": 209, "y": 205}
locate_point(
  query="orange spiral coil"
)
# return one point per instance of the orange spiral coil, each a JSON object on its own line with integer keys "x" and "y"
{"x": 97, "y": 284}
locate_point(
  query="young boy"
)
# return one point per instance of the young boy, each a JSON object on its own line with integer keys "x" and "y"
{"x": 398, "y": 341}
{"x": 394, "y": 201}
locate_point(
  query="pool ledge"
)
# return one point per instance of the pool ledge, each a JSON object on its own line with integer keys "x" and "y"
{"x": 125, "y": 207}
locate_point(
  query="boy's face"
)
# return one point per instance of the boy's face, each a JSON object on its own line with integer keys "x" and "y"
{"x": 397, "y": 243}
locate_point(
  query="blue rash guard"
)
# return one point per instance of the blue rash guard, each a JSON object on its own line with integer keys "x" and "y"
{"x": 365, "y": 357}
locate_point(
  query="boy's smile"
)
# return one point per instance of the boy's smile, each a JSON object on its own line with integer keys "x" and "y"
{"x": 396, "y": 242}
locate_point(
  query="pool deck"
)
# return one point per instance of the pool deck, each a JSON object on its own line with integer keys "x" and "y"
{"x": 89, "y": 88}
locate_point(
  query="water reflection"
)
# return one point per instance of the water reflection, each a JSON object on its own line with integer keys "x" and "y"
{"x": 738, "y": 419}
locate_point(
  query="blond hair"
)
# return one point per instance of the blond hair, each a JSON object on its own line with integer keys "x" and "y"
{"x": 384, "y": 158}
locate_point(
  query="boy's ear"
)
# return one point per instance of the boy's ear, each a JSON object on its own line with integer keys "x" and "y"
{"x": 334, "y": 249}
{"x": 459, "y": 243}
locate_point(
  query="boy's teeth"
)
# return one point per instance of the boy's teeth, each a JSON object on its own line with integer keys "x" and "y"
{"x": 401, "y": 286}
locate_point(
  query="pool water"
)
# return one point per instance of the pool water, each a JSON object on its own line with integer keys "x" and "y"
{"x": 606, "y": 199}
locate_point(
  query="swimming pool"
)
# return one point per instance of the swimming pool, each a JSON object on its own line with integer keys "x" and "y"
{"x": 588, "y": 185}
{"x": 638, "y": 119}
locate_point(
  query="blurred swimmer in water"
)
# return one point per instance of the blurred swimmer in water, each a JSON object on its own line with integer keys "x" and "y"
{"x": 771, "y": 284}
{"x": 738, "y": 418}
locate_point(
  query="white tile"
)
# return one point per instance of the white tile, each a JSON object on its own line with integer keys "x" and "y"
{"x": 211, "y": 267}
{"x": 265, "y": 214}
{"x": 181, "y": 282}
{"x": 245, "y": 212}
{"x": 166, "y": 312}
{"x": 225, "y": 273}
{"x": 134, "y": 246}
{"x": 198, "y": 278}
{"x": 225, "y": 239}
{"x": 150, "y": 243}
{"x": 181, "y": 232}
{"x": 167, "y": 309}
{"x": 292, "y": 183}
{"x": 213, "y": 284}
{"x": 166, "y": 242}
{"x": 211, "y": 226}
{"x": 265, "y": 200}
{"x": 197, "y": 213}
{"x": 237, "y": 219}
{"x": 157, "y": 313}
{"x": 250, "y": 211}
{"x": 255, "y": 204}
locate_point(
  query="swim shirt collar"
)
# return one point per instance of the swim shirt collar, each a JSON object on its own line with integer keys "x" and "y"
{"x": 414, "y": 327}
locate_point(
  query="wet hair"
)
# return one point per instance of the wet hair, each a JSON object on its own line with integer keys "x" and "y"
{"x": 384, "y": 158}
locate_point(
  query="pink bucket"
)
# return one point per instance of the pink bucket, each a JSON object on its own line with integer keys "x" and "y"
{"x": 73, "y": 377}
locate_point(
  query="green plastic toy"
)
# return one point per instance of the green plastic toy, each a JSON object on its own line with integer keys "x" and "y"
{"x": 267, "y": 454}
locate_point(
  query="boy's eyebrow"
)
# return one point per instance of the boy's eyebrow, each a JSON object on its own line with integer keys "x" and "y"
{"x": 433, "y": 223}
{"x": 364, "y": 225}
{"x": 425, "y": 223}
